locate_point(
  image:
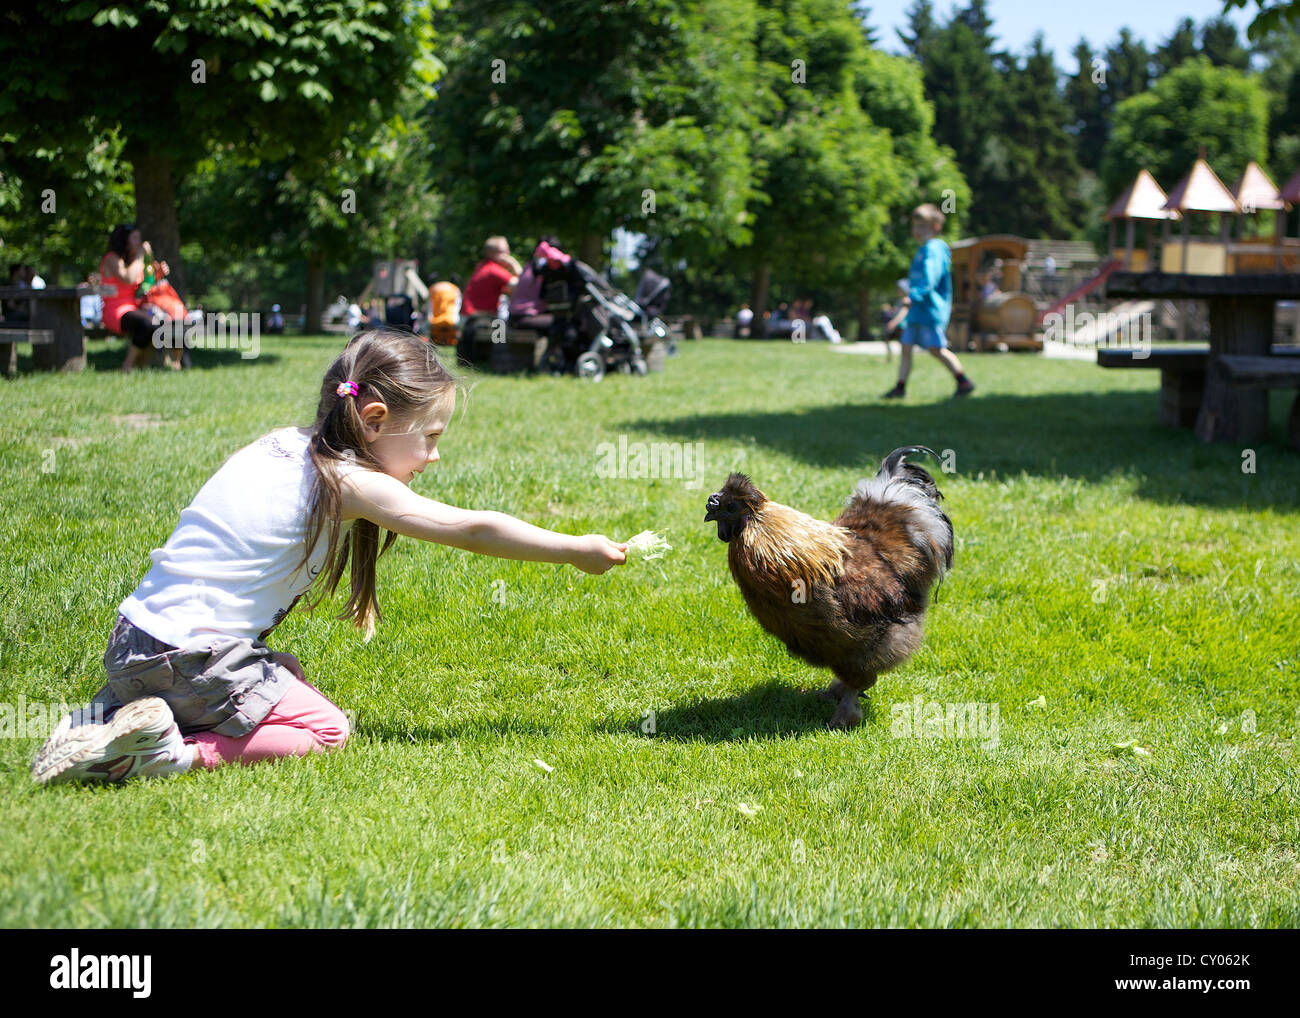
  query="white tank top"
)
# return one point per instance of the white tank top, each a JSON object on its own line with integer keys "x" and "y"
{"x": 232, "y": 565}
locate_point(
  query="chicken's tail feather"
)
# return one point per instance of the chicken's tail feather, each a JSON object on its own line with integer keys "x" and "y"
{"x": 906, "y": 487}
{"x": 898, "y": 455}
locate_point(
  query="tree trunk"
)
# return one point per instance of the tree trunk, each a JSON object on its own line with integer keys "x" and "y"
{"x": 864, "y": 314}
{"x": 592, "y": 250}
{"x": 155, "y": 207}
{"x": 315, "y": 292}
{"x": 762, "y": 284}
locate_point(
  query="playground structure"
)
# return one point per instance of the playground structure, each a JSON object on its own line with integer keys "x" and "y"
{"x": 1042, "y": 280}
{"x": 1034, "y": 275}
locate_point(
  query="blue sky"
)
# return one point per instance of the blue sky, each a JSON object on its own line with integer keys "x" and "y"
{"x": 1015, "y": 21}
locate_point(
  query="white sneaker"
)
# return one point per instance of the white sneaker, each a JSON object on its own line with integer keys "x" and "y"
{"x": 141, "y": 741}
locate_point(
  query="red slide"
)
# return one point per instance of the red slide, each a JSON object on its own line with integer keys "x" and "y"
{"x": 1082, "y": 289}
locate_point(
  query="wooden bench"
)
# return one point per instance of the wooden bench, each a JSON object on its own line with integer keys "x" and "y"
{"x": 1241, "y": 313}
{"x": 685, "y": 326}
{"x": 1247, "y": 372}
{"x": 52, "y": 325}
{"x": 1182, "y": 376}
{"x": 13, "y": 334}
{"x": 489, "y": 346}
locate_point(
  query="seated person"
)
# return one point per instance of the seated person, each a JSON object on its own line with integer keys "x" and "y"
{"x": 548, "y": 265}
{"x": 15, "y": 310}
{"x": 744, "y": 319}
{"x": 445, "y": 304}
{"x": 494, "y": 276}
{"x": 127, "y": 312}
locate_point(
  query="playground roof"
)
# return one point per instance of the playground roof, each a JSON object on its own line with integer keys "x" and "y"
{"x": 1142, "y": 199}
{"x": 1290, "y": 192}
{"x": 1201, "y": 191}
{"x": 1256, "y": 191}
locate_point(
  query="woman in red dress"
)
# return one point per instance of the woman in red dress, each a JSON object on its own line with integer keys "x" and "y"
{"x": 123, "y": 268}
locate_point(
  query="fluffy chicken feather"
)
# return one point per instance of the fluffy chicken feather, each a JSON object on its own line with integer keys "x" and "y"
{"x": 849, "y": 595}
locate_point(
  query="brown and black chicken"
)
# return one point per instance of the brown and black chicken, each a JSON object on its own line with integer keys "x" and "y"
{"x": 849, "y": 595}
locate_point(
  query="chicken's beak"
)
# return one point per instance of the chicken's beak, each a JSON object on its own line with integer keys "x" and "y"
{"x": 714, "y": 504}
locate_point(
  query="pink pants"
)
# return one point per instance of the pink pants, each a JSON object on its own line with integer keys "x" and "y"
{"x": 302, "y": 722}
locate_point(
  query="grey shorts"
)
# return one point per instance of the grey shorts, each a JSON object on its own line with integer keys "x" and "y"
{"x": 225, "y": 685}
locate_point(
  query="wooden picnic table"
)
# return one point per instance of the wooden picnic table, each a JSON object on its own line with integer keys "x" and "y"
{"x": 1241, "y": 325}
{"x": 53, "y": 326}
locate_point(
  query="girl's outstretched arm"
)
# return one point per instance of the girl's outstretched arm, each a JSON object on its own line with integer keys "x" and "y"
{"x": 390, "y": 504}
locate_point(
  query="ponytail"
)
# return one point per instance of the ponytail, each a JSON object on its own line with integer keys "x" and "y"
{"x": 403, "y": 372}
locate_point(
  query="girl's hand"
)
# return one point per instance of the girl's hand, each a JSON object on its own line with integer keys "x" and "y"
{"x": 595, "y": 554}
{"x": 160, "y": 270}
{"x": 147, "y": 249}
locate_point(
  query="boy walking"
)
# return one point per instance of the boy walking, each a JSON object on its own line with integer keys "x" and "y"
{"x": 929, "y": 302}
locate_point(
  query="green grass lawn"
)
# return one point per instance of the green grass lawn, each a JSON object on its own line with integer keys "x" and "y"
{"x": 1125, "y": 596}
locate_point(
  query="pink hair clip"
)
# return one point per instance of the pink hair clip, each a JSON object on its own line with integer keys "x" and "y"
{"x": 347, "y": 389}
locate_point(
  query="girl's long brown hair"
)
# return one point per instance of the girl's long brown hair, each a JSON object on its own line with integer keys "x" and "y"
{"x": 402, "y": 372}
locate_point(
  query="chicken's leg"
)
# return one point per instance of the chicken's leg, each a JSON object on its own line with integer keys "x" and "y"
{"x": 834, "y": 692}
{"x": 846, "y": 692}
{"x": 848, "y": 714}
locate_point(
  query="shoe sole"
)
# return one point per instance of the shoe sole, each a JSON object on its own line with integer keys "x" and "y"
{"x": 81, "y": 744}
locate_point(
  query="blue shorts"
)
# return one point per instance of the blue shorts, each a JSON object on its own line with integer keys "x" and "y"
{"x": 925, "y": 336}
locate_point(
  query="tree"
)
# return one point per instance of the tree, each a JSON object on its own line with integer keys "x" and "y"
{"x": 1276, "y": 17}
{"x": 1036, "y": 192}
{"x": 862, "y": 11}
{"x": 891, "y": 91}
{"x": 1281, "y": 81}
{"x": 281, "y": 226}
{"x": 1194, "y": 105}
{"x": 1178, "y": 47}
{"x": 975, "y": 16}
{"x": 57, "y": 206}
{"x": 281, "y": 77}
{"x": 921, "y": 28}
{"x": 1219, "y": 42}
{"x": 577, "y": 118}
{"x": 963, "y": 83}
{"x": 1085, "y": 95}
{"x": 827, "y": 173}
{"x": 1128, "y": 69}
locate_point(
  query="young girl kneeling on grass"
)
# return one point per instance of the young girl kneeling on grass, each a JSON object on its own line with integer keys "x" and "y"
{"x": 190, "y": 682}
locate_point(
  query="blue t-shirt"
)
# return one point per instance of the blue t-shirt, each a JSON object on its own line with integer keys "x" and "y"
{"x": 930, "y": 285}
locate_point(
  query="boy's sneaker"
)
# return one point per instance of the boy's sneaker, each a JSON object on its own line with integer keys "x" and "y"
{"x": 141, "y": 741}
{"x": 897, "y": 392}
{"x": 964, "y": 388}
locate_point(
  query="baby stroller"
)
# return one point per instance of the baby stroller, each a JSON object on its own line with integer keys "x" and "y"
{"x": 652, "y": 294}
{"x": 604, "y": 331}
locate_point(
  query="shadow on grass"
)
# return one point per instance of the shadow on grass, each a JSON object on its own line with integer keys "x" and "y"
{"x": 109, "y": 357}
{"x": 771, "y": 711}
{"x": 1090, "y": 436}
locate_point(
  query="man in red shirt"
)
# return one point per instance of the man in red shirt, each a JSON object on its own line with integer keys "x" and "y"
{"x": 495, "y": 275}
